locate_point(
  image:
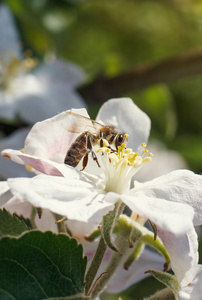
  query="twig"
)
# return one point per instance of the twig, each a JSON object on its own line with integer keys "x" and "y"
{"x": 142, "y": 76}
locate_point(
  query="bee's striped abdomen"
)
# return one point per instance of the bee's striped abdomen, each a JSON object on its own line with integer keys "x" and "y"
{"x": 77, "y": 150}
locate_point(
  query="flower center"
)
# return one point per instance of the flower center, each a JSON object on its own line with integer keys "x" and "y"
{"x": 121, "y": 165}
{"x": 12, "y": 68}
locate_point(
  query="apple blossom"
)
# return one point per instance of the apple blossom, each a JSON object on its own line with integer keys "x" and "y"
{"x": 87, "y": 196}
{"x": 39, "y": 94}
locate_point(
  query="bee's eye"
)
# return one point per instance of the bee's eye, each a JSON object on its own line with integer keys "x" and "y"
{"x": 119, "y": 140}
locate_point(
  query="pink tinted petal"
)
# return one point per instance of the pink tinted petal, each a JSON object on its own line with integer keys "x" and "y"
{"x": 52, "y": 138}
{"x": 183, "y": 250}
{"x": 41, "y": 165}
{"x": 126, "y": 117}
{"x": 178, "y": 186}
{"x": 74, "y": 198}
{"x": 193, "y": 287}
{"x": 169, "y": 216}
{"x": 14, "y": 155}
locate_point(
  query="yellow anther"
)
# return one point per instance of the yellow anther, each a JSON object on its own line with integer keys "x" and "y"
{"x": 145, "y": 151}
{"x": 22, "y": 150}
{"x": 131, "y": 155}
{"x": 138, "y": 161}
{"x": 146, "y": 159}
{"x": 113, "y": 157}
{"x": 126, "y": 136}
{"x": 133, "y": 158}
{"x": 128, "y": 150}
{"x": 144, "y": 145}
{"x": 28, "y": 168}
{"x": 150, "y": 154}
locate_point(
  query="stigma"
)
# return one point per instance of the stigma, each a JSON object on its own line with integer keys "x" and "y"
{"x": 121, "y": 165}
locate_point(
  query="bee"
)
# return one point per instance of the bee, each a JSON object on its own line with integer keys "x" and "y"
{"x": 90, "y": 134}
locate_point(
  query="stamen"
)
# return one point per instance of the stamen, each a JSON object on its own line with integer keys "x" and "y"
{"x": 121, "y": 165}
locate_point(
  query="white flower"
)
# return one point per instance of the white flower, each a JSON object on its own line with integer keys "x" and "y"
{"x": 35, "y": 95}
{"x": 191, "y": 287}
{"x": 167, "y": 201}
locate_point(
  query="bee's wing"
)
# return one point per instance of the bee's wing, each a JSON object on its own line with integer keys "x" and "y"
{"x": 79, "y": 123}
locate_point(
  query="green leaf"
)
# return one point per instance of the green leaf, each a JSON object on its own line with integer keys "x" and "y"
{"x": 41, "y": 265}
{"x": 169, "y": 280}
{"x": 11, "y": 224}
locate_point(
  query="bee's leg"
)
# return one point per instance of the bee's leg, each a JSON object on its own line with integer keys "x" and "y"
{"x": 90, "y": 149}
{"x": 95, "y": 158}
{"x": 85, "y": 161}
{"x": 112, "y": 150}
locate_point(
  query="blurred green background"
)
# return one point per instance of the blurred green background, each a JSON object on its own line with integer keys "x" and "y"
{"x": 111, "y": 36}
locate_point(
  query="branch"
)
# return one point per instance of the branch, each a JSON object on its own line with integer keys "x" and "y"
{"x": 142, "y": 76}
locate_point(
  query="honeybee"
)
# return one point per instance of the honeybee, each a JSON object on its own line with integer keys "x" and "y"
{"x": 91, "y": 133}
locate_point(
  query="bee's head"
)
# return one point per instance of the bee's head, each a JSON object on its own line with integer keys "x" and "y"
{"x": 120, "y": 139}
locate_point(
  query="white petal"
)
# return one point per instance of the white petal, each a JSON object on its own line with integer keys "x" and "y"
{"x": 76, "y": 199}
{"x": 52, "y": 138}
{"x": 193, "y": 288}
{"x": 81, "y": 229}
{"x": 49, "y": 167}
{"x": 169, "y": 216}
{"x": 178, "y": 186}
{"x": 126, "y": 117}
{"x": 41, "y": 165}
{"x": 183, "y": 250}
